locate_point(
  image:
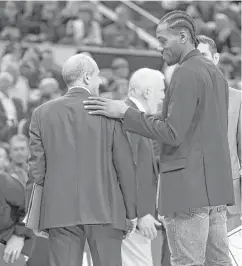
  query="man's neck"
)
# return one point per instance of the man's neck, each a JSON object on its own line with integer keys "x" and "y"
{"x": 79, "y": 86}
{"x": 140, "y": 105}
{"x": 186, "y": 52}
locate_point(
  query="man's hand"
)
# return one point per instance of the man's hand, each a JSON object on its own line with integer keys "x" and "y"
{"x": 13, "y": 249}
{"x": 147, "y": 227}
{"x": 106, "y": 107}
{"x": 130, "y": 227}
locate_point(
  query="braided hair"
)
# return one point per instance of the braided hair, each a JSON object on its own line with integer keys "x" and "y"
{"x": 180, "y": 19}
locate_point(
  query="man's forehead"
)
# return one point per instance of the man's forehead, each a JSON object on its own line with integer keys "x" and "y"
{"x": 162, "y": 30}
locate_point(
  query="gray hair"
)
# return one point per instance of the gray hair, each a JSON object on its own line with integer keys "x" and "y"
{"x": 145, "y": 78}
{"x": 76, "y": 67}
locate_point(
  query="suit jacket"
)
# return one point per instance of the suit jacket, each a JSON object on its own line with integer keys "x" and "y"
{"x": 7, "y": 132}
{"x": 146, "y": 171}
{"x": 84, "y": 163}
{"x": 234, "y": 136}
{"x": 195, "y": 159}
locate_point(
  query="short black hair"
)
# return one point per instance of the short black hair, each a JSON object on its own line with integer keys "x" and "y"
{"x": 207, "y": 40}
{"x": 180, "y": 19}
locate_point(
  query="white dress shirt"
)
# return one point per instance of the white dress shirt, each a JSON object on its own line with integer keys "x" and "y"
{"x": 138, "y": 104}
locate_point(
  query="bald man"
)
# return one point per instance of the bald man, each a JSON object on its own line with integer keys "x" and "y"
{"x": 85, "y": 166}
{"x": 146, "y": 92}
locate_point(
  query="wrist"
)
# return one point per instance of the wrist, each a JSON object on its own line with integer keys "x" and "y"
{"x": 124, "y": 109}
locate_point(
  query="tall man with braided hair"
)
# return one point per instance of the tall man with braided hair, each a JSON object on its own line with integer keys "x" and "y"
{"x": 196, "y": 177}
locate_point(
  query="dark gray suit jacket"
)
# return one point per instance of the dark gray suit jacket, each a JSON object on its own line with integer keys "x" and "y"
{"x": 195, "y": 158}
{"x": 84, "y": 162}
{"x": 146, "y": 171}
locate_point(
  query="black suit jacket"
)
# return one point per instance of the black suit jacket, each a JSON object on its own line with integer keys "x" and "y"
{"x": 6, "y": 132}
{"x": 84, "y": 162}
{"x": 146, "y": 170}
{"x": 195, "y": 158}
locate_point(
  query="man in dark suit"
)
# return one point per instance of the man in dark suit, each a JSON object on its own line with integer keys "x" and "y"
{"x": 11, "y": 109}
{"x": 208, "y": 48}
{"x": 196, "y": 176}
{"x": 144, "y": 95}
{"x": 85, "y": 166}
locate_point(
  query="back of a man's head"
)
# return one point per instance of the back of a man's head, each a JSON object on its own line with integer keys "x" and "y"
{"x": 76, "y": 67}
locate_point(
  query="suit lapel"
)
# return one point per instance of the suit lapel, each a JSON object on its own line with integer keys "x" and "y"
{"x": 132, "y": 104}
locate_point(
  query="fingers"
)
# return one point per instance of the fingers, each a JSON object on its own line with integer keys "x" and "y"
{"x": 94, "y": 107}
{"x": 15, "y": 256}
{"x": 6, "y": 255}
{"x": 95, "y": 100}
{"x": 97, "y": 113}
{"x": 157, "y": 222}
{"x": 101, "y": 99}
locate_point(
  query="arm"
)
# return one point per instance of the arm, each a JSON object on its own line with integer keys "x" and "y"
{"x": 181, "y": 109}
{"x": 239, "y": 135}
{"x": 123, "y": 163}
{"x": 37, "y": 163}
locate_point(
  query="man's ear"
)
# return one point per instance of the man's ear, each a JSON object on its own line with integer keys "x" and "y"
{"x": 183, "y": 36}
{"x": 86, "y": 78}
{"x": 146, "y": 93}
{"x": 216, "y": 58}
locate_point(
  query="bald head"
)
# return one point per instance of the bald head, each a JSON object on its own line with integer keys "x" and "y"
{"x": 147, "y": 86}
{"x": 77, "y": 67}
{"x": 146, "y": 78}
{"x": 46, "y": 82}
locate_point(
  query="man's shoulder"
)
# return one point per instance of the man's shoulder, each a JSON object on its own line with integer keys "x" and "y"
{"x": 45, "y": 107}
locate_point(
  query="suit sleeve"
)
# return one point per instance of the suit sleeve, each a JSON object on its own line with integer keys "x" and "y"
{"x": 37, "y": 162}
{"x": 239, "y": 135}
{"x": 181, "y": 108}
{"x": 125, "y": 168}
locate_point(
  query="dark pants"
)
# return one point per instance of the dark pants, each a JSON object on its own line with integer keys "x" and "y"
{"x": 67, "y": 245}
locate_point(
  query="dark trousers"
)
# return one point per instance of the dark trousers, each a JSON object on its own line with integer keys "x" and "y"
{"x": 67, "y": 245}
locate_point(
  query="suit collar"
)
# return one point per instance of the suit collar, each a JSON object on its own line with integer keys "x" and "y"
{"x": 77, "y": 91}
{"x": 130, "y": 103}
{"x": 194, "y": 52}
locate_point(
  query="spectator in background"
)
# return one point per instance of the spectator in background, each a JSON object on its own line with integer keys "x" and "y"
{"x": 85, "y": 29}
{"x": 4, "y": 162}
{"x": 20, "y": 88}
{"x": 23, "y": 126}
{"x": 120, "y": 68}
{"x": 30, "y": 67}
{"x": 10, "y": 22}
{"x": 11, "y": 110}
{"x": 49, "y": 89}
{"x": 50, "y": 68}
{"x": 13, "y": 234}
{"x": 118, "y": 34}
{"x": 18, "y": 153}
{"x": 51, "y": 27}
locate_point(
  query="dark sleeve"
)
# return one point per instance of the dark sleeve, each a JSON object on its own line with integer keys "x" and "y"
{"x": 239, "y": 135}
{"x": 37, "y": 163}
{"x": 15, "y": 197}
{"x": 181, "y": 109}
{"x": 125, "y": 168}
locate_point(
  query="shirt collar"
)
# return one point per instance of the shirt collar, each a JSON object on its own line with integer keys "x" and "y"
{"x": 79, "y": 87}
{"x": 138, "y": 104}
{"x": 190, "y": 54}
